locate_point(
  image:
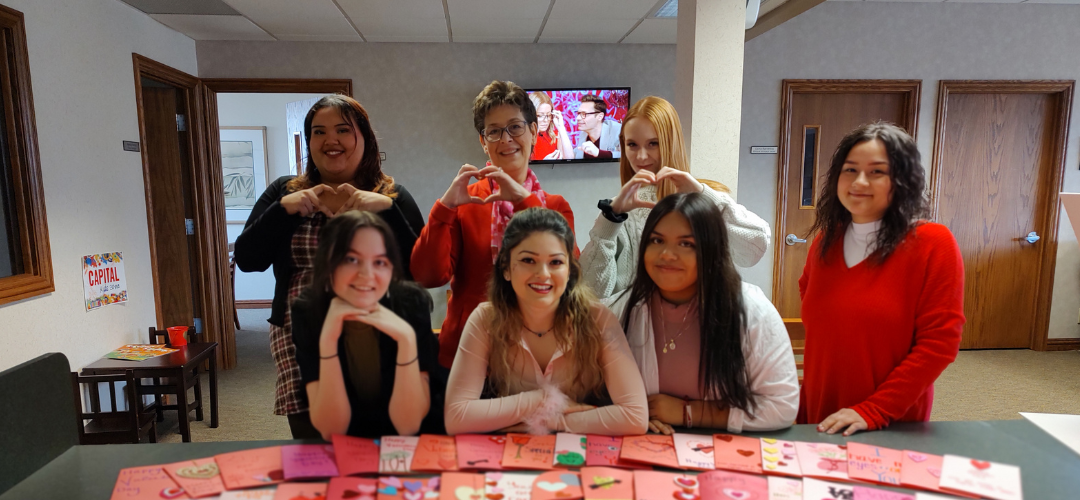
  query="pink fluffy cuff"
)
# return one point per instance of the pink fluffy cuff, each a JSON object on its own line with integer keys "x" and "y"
{"x": 542, "y": 419}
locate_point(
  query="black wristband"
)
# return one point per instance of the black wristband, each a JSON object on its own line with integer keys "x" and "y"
{"x": 609, "y": 213}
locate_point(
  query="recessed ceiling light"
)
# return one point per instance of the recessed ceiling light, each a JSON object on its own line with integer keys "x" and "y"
{"x": 669, "y": 10}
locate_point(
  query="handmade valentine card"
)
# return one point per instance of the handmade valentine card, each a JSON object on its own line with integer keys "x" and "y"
{"x": 352, "y": 488}
{"x": 784, "y": 488}
{"x": 779, "y": 457}
{"x": 308, "y": 461}
{"x": 986, "y": 479}
{"x": 652, "y": 485}
{"x": 557, "y": 485}
{"x": 508, "y": 486}
{"x": 726, "y": 485}
{"x": 248, "y": 468}
{"x": 930, "y": 496}
{"x": 435, "y": 454}
{"x": 570, "y": 449}
{"x": 603, "y": 451}
{"x": 921, "y": 470}
{"x": 301, "y": 491}
{"x": 652, "y": 449}
{"x": 198, "y": 478}
{"x": 355, "y": 455}
{"x": 524, "y": 451}
{"x": 825, "y": 490}
{"x": 864, "y": 493}
{"x": 399, "y": 488}
{"x": 694, "y": 451}
{"x": 479, "y": 451}
{"x": 461, "y": 486}
{"x": 822, "y": 460}
{"x": 737, "y": 453}
{"x": 254, "y": 494}
{"x": 607, "y": 483}
{"x": 874, "y": 464}
{"x": 395, "y": 454}
{"x": 146, "y": 483}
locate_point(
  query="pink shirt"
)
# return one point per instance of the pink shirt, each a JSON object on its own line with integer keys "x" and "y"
{"x": 679, "y": 367}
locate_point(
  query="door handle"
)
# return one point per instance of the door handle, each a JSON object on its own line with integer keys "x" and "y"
{"x": 792, "y": 239}
{"x": 1031, "y": 237}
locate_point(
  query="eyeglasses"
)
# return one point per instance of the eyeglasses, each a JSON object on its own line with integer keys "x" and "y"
{"x": 543, "y": 116}
{"x": 515, "y": 129}
{"x": 583, "y": 114}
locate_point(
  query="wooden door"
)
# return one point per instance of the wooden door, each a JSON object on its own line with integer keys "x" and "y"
{"x": 815, "y": 115}
{"x": 997, "y": 171}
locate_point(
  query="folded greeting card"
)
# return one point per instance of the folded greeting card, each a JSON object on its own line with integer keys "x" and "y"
{"x": 508, "y": 486}
{"x": 355, "y": 455}
{"x": 308, "y": 461}
{"x": 650, "y": 449}
{"x": 570, "y": 449}
{"x": 737, "y": 453}
{"x": 694, "y": 451}
{"x": 864, "y": 493}
{"x": 248, "y": 468}
{"x": 479, "y": 451}
{"x": 461, "y": 486}
{"x": 255, "y": 494}
{"x": 779, "y": 457}
{"x": 726, "y": 485}
{"x": 921, "y": 470}
{"x": 874, "y": 464}
{"x": 395, "y": 454}
{"x": 524, "y": 451}
{"x": 398, "y": 488}
{"x": 783, "y": 488}
{"x": 352, "y": 488}
{"x": 978, "y": 477}
{"x": 435, "y": 454}
{"x": 146, "y": 483}
{"x": 825, "y": 490}
{"x": 301, "y": 491}
{"x": 603, "y": 451}
{"x": 198, "y": 478}
{"x": 822, "y": 460}
{"x": 652, "y": 485}
{"x": 607, "y": 483}
{"x": 557, "y": 485}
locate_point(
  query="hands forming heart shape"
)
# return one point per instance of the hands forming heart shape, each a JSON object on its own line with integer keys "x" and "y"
{"x": 458, "y": 193}
{"x": 628, "y": 198}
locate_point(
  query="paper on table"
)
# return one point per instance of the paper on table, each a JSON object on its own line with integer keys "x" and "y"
{"x": 1064, "y": 428}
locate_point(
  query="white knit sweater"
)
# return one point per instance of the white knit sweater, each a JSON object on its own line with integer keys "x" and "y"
{"x": 610, "y": 257}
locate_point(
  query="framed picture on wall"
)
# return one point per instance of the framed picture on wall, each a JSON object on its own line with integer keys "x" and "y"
{"x": 244, "y": 170}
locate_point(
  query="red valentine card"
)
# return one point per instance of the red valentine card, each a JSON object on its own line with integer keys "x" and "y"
{"x": 779, "y": 457}
{"x": 874, "y": 464}
{"x": 784, "y": 488}
{"x": 479, "y": 451}
{"x": 435, "y": 454}
{"x": 248, "y": 468}
{"x": 198, "y": 478}
{"x": 351, "y": 488}
{"x": 607, "y": 483}
{"x": 823, "y": 460}
{"x": 308, "y": 461}
{"x": 978, "y": 477}
{"x": 508, "y": 486}
{"x": 145, "y": 483}
{"x": 725, "y": 485}
{"x": 815, "y": 489}
{"x": 395, "y": 454}
{"x": 524, "y": 451}
{"x": 557, "y": 485}
{"x": 653, "y": 485}
{"x": 301, "y": 491}
{"x": 603, "y": 451}
{"x": 461, "y": 486}
{"x": 864, "y": 493}
{"x": 694, "y": 451}
{"x": 398, "y": 488}
{"x": 737, "y": 453}
{"x": 570, "y": 449}
{"x": 652, "y": 449}
{"x": 355, "y": 455}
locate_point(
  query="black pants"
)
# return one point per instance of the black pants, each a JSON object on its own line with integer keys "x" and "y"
{"x": 302, "y": 428}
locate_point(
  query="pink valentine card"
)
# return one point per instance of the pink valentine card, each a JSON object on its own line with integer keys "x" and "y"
{"x": 978, "y": 477}
{"x": 557, "y": 485}
{"x": 351, "y": 488}
{"x": 874, "y": 464}
{"x": 479, "y": 451}
{"x": 823, "y": 460}
{"x": 248, "y": 468}
{"x": 652, "y": 449}
{"x": 784, "y": 488}
{"x": 923, "y": 471}
{"x": 930, "y": 496}
{"x": 864, "y": 493}
{"x": 461, "y": 486}
{"x": 652, "y": 485}
{"x": 737, "y": 453}
{"x": 508, "y": 486}
{"x": 603, "y": 451}
{"x": 399, "y": 488}
{"x": 607, "y": 483}
{"x": 524, "y": 451}
{"x": 725, "y": 485}
{"x": 145, "y": 483}
{"x": 779, "y": 457}
{"x": 301, "y": 491}
{"x": 694, "y": 451}
{"x": 570, "y": 449}
{"x": 308, "y": 461}
{"x": 825, "y": 490}
{"x": 255, "y": 494}
{"x": 395, "y": 454}
{"x": 435, "y": 453}
{"x": 198, "y": 478}
{"x": 355, "y": 455}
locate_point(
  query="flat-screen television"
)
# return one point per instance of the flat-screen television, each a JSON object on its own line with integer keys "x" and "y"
{"x": 579, "y": 125}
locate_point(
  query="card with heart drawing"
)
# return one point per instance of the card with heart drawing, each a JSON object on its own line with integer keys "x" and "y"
{"x": 396, "y": 453}
{"x": 351, "y": 488}
{"x": 864, "y": 493}
{"x": 308, "y": 461}
{"x": 694, "y": 451}
{"x": 399, "y": 488}
{"x": 823, "y": 460}
{"x": 248, "y": 468}
{"x": 979, "y": 477}
{"x": 524, "y": 451}
{"x": 603, "y": 451}
{"x": 779, "y": 457}
{"x": 435, "y": 454}
{"x": 737, "y": 453}
{"x": 923, "y": 471}
{"x": 649, "y": 449}
{"x": 356, "y": 455}
{"x": 461, "y": 486}
{"x": 784, "y": 488}
{"x": 570, "y": 449}
{"x": 607, "y": 483}
{"x": 874, "y": 464}
{"x": 557, "y": 485}
{"x": 654, "y": 485}
{"x": 825, "y": 490}
{"x": 725, "y": 485}
{"x": 479, "y": 451}
{"x": 301, "y": 491}
{"x": 146, "y": 483}
{"x": 507, "y": 486}
{"x": 198, "y": 478}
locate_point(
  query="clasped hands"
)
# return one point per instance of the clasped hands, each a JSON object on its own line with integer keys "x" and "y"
{"x": 458, "y": 193}
{"x": 314, "y": 199}
{"x": 627, "y": 199}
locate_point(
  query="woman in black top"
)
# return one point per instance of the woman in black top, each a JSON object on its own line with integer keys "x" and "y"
{"x": 364, "y": 343}
{"x": 343, "y": 173}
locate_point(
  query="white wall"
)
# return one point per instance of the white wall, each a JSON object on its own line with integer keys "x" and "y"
{"x": 84, "y": 99}
{"x": 927, "y": 41}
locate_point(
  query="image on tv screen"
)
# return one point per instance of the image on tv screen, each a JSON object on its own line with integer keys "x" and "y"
{"x": 579, "y": 124}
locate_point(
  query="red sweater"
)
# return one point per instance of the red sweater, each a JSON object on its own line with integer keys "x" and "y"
{"x": 455, "y": 247}
{"x": 878, "y": 335}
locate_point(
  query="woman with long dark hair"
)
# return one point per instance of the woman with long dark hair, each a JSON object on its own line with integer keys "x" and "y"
{"x": 712, "y": 350}
{"x": 550, "y": 357}
{"x": 882, "y": 290}
{"x": 343, "y": 173}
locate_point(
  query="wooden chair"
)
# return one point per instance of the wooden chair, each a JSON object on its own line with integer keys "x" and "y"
{"x": 797, "y": 334}
{"x": 162, "y": 386}
{"x": 114, "y": 426}
{"x": 232, "y": 282}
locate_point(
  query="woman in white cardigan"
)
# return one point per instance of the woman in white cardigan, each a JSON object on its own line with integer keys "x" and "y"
{"x": 712, "y": 350}
{"x": 654, "y": 165}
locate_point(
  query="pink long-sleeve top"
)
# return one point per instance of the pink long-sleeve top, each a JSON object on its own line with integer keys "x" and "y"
{"x": 467, "y": 413}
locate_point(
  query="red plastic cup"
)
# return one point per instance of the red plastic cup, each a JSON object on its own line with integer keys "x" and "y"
{"x": 176, "y": 335}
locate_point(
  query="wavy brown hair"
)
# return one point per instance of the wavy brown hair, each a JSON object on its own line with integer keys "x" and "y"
{"x": 575, "y": 329}
{"x": 496, "y": 94}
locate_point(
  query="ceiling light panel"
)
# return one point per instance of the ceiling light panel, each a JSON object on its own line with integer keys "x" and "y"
{"x": 654, "y": 31}
{"x": 670, "y": 10}
{"x": 213, "y": 27}
{"x": 510, "y": 21}
{"x": 307, "y": 20}
{"x": 398, "y": 20}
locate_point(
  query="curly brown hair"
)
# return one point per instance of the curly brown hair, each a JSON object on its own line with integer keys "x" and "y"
{"x": 498, "y": 93}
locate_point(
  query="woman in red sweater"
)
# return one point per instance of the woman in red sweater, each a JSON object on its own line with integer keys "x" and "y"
{"x": 882, "y": 291}
{"x": 465, "y": 227}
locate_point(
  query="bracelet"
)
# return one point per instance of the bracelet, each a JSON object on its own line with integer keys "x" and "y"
{"x": 688, "y": 417}
{"x": 332, "y": 356}
{"x": 410, "y": 362}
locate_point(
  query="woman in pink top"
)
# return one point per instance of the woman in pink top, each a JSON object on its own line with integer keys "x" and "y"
{"x": 547, "y": 356}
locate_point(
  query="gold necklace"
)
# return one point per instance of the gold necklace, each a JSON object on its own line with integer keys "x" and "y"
{"x": 669, "y": 344}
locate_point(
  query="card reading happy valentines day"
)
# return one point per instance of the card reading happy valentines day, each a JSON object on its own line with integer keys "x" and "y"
{"x": 607, "y": 483}
{"x": 779, "y": 457}
{"x": 352, "y": 488}
{"x": 649, "y": 449}
{"x": 308, "y": 461}
{"x": 653, "y": 485}
{"x": 725, "y": 485}
{"x": 694, "y": 451}
{"x": 603, "y": 451}
{"x": 248, "y": 468}
{"x": 557, "y": 485}
{"x": 524, "y": 451}
{"x": 737, "y": 453}
{"x": 986, "y": 479}
{"x": 198, "y": 478}
{"x": 395, "y": 454}
{"x": 822, "y": 460}
{"x": 874, "y": 464}
{"x": 479, "y": 451}
{"x": 145, "y": 483}
{"x": 355, "y": 455}
{"x": 435, "y": 454}
{"x": 570, "y": 449}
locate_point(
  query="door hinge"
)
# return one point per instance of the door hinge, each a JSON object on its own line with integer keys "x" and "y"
{"x": 198, "y": 325}
{"x": 189, "y": 226}
{"x": 181, "y": 123}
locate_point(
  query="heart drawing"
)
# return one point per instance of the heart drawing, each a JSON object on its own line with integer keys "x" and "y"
{"x": 736, "y": 494}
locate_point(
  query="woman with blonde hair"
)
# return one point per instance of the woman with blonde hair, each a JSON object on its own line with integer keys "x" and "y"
{"x": 552, "y": 142}
{"x": 653, "y": 165}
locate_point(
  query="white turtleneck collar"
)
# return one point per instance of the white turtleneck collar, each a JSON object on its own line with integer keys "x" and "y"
{"x": 859, "y": 242}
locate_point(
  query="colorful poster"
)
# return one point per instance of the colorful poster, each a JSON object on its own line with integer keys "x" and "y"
{"x": 103, "y": 279}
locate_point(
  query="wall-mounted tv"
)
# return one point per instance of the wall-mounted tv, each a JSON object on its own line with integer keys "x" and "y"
{"x": 579, "y": 125}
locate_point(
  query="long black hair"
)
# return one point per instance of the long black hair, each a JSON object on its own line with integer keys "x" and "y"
{"x": 335, "y": 239}
{"x": 723, "y": 375}
{"x": 908, "y": 200}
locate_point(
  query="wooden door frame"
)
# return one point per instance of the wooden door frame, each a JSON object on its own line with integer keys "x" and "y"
{"x": 913, "y": 89}
{"x": 1050, "y": 207}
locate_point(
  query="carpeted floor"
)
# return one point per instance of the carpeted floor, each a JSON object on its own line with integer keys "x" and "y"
{"x": 980, "y": 385}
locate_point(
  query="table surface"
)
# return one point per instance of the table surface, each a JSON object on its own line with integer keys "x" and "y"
{"x": 184, "y": 355}
{"x": 1050, "y": 470}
